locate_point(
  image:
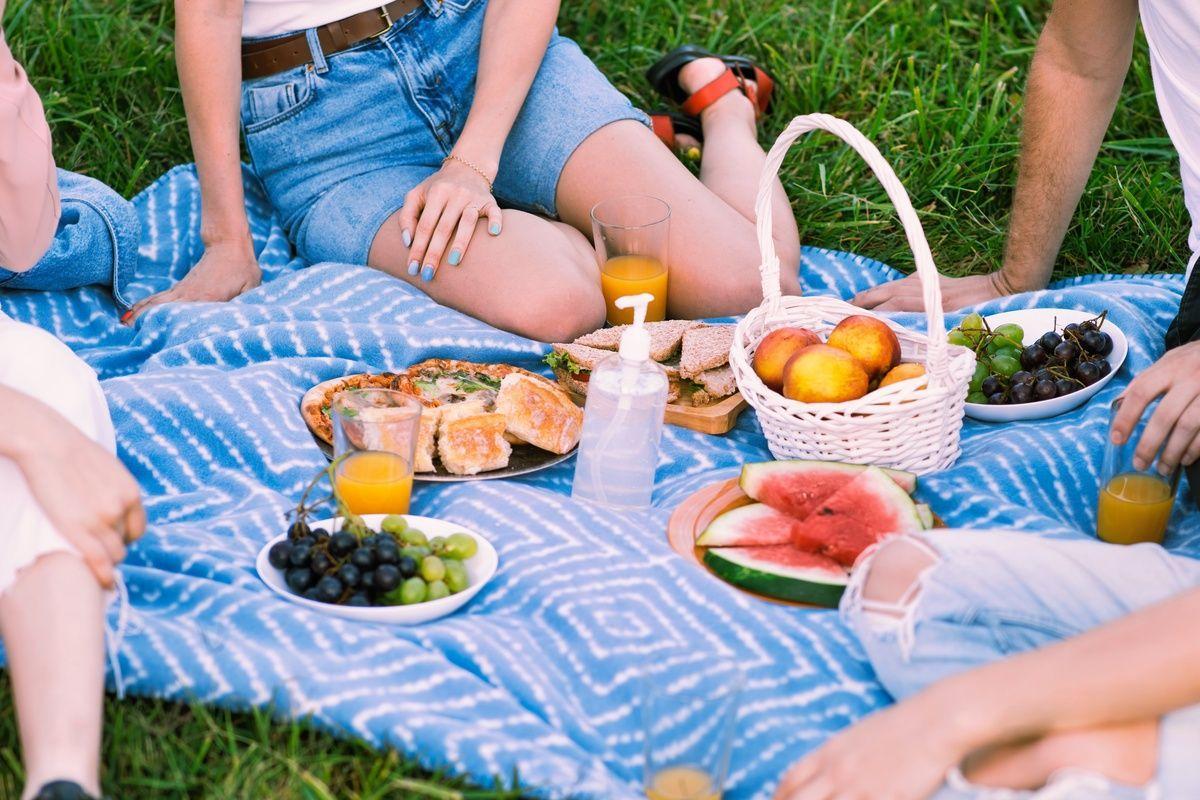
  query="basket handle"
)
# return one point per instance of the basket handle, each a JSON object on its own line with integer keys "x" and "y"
{"x": 931, "y": 289}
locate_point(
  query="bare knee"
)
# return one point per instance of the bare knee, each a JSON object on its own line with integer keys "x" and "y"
{"x": 566, "y": 306}
{"x": 894, "y": 571}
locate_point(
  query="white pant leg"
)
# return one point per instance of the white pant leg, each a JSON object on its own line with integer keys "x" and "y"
{"x": 35, "y": 363}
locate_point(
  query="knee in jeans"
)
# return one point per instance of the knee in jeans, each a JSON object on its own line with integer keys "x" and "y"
{"x": 886, "y": 586}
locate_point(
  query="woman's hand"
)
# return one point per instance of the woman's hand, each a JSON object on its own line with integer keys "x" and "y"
{"x": 227, "y": 269}
{"x": 900, "y": 753}
{"x": 1175, "y": 425}
{"x": 441, "y": 212}
{"x": 85, "y": 492}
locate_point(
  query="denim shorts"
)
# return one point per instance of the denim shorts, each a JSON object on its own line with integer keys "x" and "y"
{"x": 993, "y": 594}
{"x": 339, "y": 142}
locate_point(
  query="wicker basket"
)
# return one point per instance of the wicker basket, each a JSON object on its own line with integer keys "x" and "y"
{"x": 905, "y": 425}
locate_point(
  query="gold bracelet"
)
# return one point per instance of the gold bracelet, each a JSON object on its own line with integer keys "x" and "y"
{"x": 469, "y": 165}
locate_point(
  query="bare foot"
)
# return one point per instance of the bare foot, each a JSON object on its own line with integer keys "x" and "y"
{"x": 696, "y": 74}
{"x": 225, "y": 271}
{"x": 1126, "y": 753}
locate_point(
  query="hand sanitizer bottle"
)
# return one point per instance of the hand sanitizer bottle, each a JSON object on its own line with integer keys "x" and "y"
{"x": 622, "y": 420}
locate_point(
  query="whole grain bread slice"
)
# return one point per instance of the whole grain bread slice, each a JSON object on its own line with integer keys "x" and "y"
{"x": 704, "y": 349}
{"x": 666, "y": 337}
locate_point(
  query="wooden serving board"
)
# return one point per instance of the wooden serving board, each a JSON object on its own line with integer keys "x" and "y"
{"x": 717, "y": 419}
{"x": 699, "y": 509}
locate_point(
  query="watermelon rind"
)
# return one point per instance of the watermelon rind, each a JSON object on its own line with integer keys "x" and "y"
{"x": 754, "y": 473}
{"x": 747, "y": 568}
{"x": 926, "y": 515}
{"x": 754, "y": 525}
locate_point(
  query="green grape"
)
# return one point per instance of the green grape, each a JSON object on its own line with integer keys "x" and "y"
{"x": 1009, "y": 352}
{"x": 456, "y": 576}
{"x": 977, "y": 397}
{"x": 1013, "y": 332}
{"x": 415, "y": 552}
{"x": 981, "y": 372}
{"x": 413, "y": 590}
{"x": 437, "y": 590}
{"x": 432, "y": 568}
{"x": 972, "y": 324}
{"x": 438, "y": 544}
{"x": 395, "y": 524}
{"x": 956, "y": 336}
{"x": 1005, "y": 366}
{"x": 354, "y": 524}
{"x": 414, "y": 537}
{"x": 461, "y": 546}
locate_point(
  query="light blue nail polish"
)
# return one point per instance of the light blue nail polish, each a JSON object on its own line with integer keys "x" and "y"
{"x": 495, "y": 229}
{"x": 427, "y": 273}
{"x": 406, "y": 237}
{"x": 413, "y": 268}
{"x": 455, "y": 257}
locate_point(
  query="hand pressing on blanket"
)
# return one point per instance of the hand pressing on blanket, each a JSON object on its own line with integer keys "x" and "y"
{"x": 227, "y": 269}
{"x": 1175, "y": 424}
{"x": 85, "y": 492}
{"x": 905, "y": 294}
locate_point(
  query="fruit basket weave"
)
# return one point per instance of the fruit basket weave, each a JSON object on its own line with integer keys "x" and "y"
{"x": 913, "y": 424}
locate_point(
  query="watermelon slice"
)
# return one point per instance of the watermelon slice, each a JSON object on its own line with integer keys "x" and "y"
{"x": 863, "y": 512}
{"x": 781, "y": 571}
{"x": 754, "y": 525}
{"x": 798, "y": 487}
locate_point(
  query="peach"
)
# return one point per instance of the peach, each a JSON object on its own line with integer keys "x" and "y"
{"x": 777, "y": 349}
{"x": 902, "y": 372}
{"x": 869, "y": 340}
{"x": 823, "y": 374}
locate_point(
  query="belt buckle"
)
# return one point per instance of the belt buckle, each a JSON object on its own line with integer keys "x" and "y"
{"x": 386, "y": 16}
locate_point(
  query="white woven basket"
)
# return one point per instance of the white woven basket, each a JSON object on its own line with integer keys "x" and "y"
{"x": 901, "y": 425}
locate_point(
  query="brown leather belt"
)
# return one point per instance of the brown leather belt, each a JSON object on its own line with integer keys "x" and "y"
{"x": 271, "y": 56}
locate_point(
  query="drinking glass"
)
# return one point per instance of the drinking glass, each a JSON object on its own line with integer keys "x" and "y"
{"x": 374, "y": 442}
{"x": 689, "y": 725}
{"x": 630, "y": 233}
{"x": 1135, "y": 504}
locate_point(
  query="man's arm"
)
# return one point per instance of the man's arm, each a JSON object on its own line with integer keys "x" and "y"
{"x": 1136, "y": 668}
{"x": 1074, "y": 83}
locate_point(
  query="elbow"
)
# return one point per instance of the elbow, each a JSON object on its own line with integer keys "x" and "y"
{"x": 25, "y": 238}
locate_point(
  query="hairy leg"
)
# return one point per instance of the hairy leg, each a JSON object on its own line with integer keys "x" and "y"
{"x": 52, "y": 619}
{"x": 538, "y": 278}
{"x": 714, "y": 254}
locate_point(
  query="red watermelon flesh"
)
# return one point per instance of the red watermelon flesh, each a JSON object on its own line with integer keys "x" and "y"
{"x": 863, "y": 512}
{"x": 754, "y": 525}
{"x": 799, "y": 487}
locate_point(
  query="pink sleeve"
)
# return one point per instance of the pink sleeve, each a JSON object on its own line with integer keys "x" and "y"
{"x": 28, "y": 183}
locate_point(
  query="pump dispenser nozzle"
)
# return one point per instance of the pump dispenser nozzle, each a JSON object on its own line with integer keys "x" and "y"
{"x": 635, "y": 342}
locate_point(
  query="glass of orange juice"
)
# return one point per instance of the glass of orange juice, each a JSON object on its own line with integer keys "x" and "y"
{"x": 630, "y": 233}
{"x": 374, "y": 441}
{"x": 1135, "y": 505}
{"x": 689, "y": 723}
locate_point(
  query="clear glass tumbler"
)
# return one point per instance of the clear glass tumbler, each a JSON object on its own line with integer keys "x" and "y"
{"x": 374, "y": 442}
{"x": 1135, "y": 504}
{"x": 631, "y": 234}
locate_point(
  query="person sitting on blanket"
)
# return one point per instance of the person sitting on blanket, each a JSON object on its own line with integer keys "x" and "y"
{"x": 67, "y": 505}
{"x": 1074, "y": 85}
{"x": 1024, "y": 662}
{"x": 395, "y": 136}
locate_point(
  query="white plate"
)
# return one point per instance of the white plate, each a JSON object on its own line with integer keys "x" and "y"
{"x": 480, "y": 569}
{"x": 1035, "y": 322}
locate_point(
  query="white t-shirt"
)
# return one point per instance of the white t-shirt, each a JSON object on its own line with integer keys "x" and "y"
{"x": 1173, "y": 32}
{"x": 275, "y": 17}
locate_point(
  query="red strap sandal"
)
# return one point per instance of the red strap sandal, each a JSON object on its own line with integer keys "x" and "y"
{"x": 741, "y": 74}
{"x": 669, "y": 125}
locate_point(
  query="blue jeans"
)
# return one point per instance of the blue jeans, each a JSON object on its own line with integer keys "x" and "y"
{"x": 993, "y": 594}
{"x": 339, "y": 142}
{"x": 96, "y": 242}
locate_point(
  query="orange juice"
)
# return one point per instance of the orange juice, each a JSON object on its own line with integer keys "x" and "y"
{"x": 625, "y": 275}
{"x": 1134, "y": 508}
{"x": 682, "y": 783}
{"x": 374, "y": 482}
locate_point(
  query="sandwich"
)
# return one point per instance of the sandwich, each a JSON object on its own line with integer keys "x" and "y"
{"x": 714, "y": 385}
{"x": 666, "y": 338}
{"x": 705, "y": 348}
{"x": 573, "y": 365}
{"x": 540, "y": 413}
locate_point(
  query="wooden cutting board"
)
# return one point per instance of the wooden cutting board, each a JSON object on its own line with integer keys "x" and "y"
{"x": 717, "y": 419}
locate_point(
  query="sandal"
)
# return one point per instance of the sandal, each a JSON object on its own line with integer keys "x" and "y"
{"x": 668, "y": 125}
{"x": 663, "y": 75}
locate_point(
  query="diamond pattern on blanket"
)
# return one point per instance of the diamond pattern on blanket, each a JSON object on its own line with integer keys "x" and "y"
{"x": 541, "y": 673}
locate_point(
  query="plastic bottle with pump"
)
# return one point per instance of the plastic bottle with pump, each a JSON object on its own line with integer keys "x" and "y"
{"x": 622, "y": 420}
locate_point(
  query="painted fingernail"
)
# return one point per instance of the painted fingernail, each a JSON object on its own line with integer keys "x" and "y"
{"x": 455, "y": 257}
{"x": 406, "y": 237}
{"x": 413, "y": 267}
{"x": 427, "y": 273}
{"x": 494, "y": 230}
{"x": 128, "y": 315}
{"x": 1139, "y": 464}
{"x": 1164, "y": 469}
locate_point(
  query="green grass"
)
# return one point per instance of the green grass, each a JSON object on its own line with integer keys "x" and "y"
{"x": 936, "y": 85}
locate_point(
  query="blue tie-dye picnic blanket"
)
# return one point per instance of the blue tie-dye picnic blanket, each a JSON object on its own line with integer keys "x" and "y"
{"x": 541, "y": 673}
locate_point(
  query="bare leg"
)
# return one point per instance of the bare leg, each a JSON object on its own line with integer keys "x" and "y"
{"x": 53, "y": 623}
{"x": 1123, "y": 753}
{"x": 714, "y": 252}
{"x": 538, "y": 278}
